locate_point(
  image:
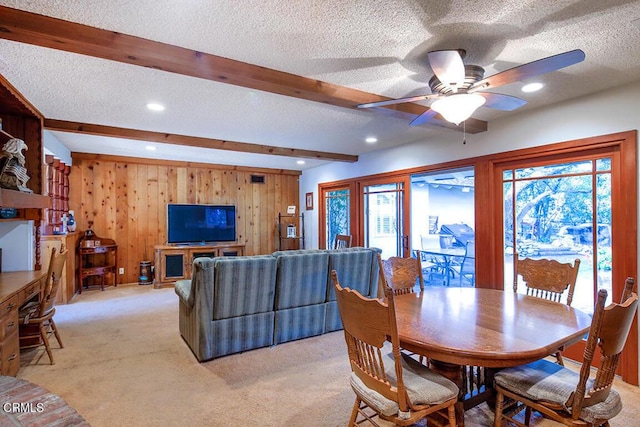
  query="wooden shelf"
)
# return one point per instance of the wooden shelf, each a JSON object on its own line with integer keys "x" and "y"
{"x": 21, "y": 200}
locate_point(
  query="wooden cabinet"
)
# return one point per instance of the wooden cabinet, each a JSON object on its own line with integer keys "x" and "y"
{"x": 174, "y": 262}
{"x": 68, "y": 286}
{"x": 19, "y": 119}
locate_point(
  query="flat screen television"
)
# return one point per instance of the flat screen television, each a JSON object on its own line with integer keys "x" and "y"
{"x": 199, "y": 224}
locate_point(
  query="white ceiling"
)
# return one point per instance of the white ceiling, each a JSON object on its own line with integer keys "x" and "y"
{"x": 377, "y": 46}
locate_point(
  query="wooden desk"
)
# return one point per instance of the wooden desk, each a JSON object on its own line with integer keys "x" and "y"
{"x": 457, "y": 327}
{"x": 16, "y": 288}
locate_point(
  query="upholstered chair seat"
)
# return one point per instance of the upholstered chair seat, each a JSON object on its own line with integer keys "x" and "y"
{"x": 548, "y": 382}
{"x": 572, "y": 399}
{"x": 423, "y": 386}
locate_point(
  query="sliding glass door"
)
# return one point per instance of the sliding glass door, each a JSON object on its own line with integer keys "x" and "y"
{"x": 384, "y": 218}
{"x": 443, "y": 224}
{"x": 562, "y": 211}
{"x": 567, "y": 208}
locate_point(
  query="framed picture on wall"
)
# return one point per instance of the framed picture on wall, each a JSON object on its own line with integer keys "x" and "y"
{"x": 309, "y": 201}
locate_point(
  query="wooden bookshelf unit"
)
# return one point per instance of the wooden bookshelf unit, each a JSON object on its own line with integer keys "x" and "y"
{"x": 173, "y": 262}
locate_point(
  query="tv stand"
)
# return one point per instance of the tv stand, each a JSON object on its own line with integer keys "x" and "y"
{"x": 173, "y": 262}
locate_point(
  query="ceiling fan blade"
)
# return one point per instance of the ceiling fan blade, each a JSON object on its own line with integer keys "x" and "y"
{"x": 499, "y": 101}
{"x": 531, "y": 69}
{"x": 424, "y": 117}
{"x": 448, "y": 67}
{"x": 397, "y": 101}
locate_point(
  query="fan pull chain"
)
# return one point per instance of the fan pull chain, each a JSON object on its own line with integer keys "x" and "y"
{"x": 464, "y": 133}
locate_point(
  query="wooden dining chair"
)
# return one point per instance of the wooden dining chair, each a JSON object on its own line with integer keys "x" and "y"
{"x": 402, "y": 274}
{"x": 342, "y": 241}
{"x": 36, "y": 318}
{"x": 562, "y": 394}
{"x": 547, "y": 279}
{"x": 388, "y": 384}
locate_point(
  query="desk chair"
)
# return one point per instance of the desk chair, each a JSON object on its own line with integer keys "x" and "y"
{"x": 547, "y": 279}
{"x": 562, "y": 394}
{"x": 40, "y": 313}
{"x": 342, "y": 241}
{"x": 388, "y": 385}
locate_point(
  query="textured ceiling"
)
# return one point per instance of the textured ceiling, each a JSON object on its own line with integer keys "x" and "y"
{"x": 378, "y": 47}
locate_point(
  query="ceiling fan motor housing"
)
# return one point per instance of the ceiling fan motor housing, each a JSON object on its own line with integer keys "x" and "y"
{"x": 472, "y": 74}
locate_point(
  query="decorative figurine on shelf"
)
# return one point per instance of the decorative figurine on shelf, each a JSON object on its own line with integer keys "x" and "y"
{"x": 63, "y": 226}
{"x": 13, "y": 174}
{"x": 71, "y": 223}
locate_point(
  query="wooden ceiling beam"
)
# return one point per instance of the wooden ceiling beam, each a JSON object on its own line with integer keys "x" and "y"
{"x": 40, "y": 30}
{"x": 192, "y": 141}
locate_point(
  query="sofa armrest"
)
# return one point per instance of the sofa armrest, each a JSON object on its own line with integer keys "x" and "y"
{"x": 183, "y": 289}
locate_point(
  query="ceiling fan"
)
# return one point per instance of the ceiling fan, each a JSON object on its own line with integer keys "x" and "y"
{"x": 459, "y": 88}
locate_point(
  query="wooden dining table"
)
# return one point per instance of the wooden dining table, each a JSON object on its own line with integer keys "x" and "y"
{"x": 460, "y": 327}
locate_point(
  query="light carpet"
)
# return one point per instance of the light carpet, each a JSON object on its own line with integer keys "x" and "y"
{"x": 125, "y": 364}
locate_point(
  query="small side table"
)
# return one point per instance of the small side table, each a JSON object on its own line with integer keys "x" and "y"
{"x": 96, "y": 257}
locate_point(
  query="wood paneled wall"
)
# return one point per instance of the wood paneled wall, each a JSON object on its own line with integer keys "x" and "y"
{"x": 126, "y": 199}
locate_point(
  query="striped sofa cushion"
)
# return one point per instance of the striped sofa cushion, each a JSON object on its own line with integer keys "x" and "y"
{"x": 301, "y": 279}
{"x": 243, "y": 285}
{"x": 354, "y": 269}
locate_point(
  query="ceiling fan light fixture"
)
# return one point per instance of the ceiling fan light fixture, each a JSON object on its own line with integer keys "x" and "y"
{"x": 458, "y": 107}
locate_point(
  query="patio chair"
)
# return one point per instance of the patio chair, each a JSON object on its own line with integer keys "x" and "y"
{"x": 467, "y": 267}
{"x": 562, "y": 394}
{"x": 388, "y": 384}
{"x": 433, "y": 265}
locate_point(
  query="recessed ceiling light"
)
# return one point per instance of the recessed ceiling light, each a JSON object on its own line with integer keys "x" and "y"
{"x": 371, "y": 140}
{"x": 300, "y": 162}
{"x": 154, "y": 106}
{"x": 532, "y": 87}
{"x": 150, "y": 147}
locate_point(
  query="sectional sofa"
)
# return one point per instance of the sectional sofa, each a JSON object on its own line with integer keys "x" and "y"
{"x": 235, "y": 304}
